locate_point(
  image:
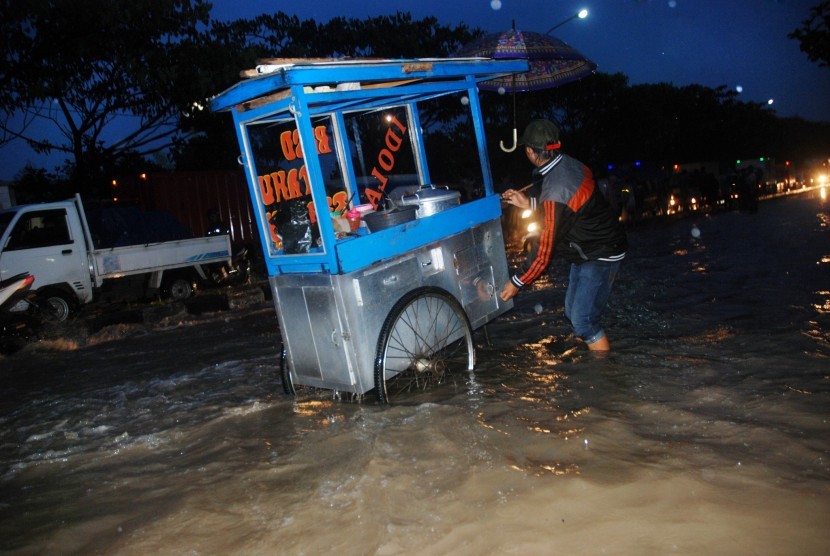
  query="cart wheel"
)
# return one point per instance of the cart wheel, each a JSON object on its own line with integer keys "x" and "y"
{"x": 426, "y": 337}
{"x": 285, "y": 375}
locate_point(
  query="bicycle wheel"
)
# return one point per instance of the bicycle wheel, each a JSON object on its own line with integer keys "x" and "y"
{"x": 425, "y": 339}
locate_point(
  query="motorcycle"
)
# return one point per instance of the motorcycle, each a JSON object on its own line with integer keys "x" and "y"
{"x": 16, "y": 327}
{"x": 237, "y": 273}
{"x": 239, "y": 270}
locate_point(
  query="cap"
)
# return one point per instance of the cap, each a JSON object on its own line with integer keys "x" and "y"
{"x": 541, "y": 134}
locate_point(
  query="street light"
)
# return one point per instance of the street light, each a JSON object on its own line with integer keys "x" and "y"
{"x": 581, "y": 14}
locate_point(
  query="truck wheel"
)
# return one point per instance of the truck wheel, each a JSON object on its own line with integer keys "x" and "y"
{"x": 179, "y": 289}
{"x": 56, "y": 304}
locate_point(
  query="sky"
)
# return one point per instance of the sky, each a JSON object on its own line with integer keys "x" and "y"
{"x": 741, "y": 44}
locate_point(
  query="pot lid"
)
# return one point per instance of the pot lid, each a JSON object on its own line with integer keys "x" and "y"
{"x": 430, "y": 193}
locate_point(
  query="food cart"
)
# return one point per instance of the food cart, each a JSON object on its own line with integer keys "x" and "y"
{"x": 386, "y": 300}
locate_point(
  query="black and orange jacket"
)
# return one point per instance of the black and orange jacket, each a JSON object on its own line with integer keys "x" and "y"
{"x": 578, "y": 222}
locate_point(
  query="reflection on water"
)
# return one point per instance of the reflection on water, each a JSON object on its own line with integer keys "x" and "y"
{"x": 704, "y": 432}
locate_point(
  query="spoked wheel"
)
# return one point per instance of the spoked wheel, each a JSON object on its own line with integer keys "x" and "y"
{"x": 285, "y": 375}
{"x": 425, "y": 339}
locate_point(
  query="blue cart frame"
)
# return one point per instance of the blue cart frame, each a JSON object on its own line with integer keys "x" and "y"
{"x": 343, "y": 300}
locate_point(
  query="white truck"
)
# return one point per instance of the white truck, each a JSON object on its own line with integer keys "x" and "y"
{"x": 52, "y": 241}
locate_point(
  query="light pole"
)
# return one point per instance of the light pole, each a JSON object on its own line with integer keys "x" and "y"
{"x": 581, "y": 14}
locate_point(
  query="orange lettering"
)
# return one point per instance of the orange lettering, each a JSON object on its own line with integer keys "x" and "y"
{"x": 393, "y": 141}
{"x": 395, "y": 121}
{"x": 386, "y": 160}
{"x": 273, "y": 227}
{"x": 337, "y": 202}
{"x": 287, "y": 145}
{"x": 266, "y": 189}
{"x": 323, "y": 146}
{"x": 372, "y": 196}
{"x": 381, "y": 178}
{"x": 279, "y": 185}
{"x": 293, "y": 184}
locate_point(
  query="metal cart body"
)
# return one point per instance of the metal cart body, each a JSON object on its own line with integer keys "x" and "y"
{"x": 303, "y": 130}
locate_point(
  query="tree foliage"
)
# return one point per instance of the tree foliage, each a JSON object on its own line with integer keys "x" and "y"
{"x": 78, "y": 67}
{"x": 239, "y": 44}
{"x": 73, "y": 67}
{"x": 814, "y": 34}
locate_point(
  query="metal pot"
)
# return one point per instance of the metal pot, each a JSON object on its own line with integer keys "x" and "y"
{"x": 431, "y": 200}
{"x": 382, "y": 219}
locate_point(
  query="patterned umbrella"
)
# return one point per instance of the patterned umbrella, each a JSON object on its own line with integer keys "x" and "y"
{"x": 552, "y": 62}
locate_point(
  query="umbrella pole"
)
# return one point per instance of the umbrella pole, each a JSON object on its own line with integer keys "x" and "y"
{"x": 515, "y": 138}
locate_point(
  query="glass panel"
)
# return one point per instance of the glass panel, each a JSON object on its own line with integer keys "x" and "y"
{"x": 284, "y": 186}
{"x": 43, "y": 228}
{"x": 5, "y": 220}
{"x": 450, "y": 144}
{"x": 382, "y": 153}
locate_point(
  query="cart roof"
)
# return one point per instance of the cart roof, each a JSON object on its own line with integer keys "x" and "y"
{"x": 272, "y": 79}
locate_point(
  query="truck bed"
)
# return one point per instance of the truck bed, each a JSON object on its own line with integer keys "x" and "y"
{"x": 153, "y": 257}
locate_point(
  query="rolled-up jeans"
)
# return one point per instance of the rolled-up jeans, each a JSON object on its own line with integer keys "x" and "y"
{"x": 589, "y": 286}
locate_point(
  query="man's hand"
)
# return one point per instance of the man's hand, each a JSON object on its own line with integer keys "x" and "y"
{"x": 516, "y": 198}
{"x": 509, "y": 291}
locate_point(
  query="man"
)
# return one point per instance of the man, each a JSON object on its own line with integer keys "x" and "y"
{"x": 579, "y": 224}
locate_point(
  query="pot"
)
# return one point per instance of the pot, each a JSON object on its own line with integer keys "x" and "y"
{"x": 431, "y": 200}
{"x": 382, "y": 219}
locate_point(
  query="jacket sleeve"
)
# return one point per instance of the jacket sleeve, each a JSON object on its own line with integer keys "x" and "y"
{"x": 545, "y": 252}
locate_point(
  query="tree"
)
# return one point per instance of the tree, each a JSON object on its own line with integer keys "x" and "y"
{"x": 237, "y": 45}
{"x": 78, "y": 67}
{"x": 814, "y": 34}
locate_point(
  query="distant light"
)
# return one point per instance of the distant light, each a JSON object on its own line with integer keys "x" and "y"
{"x": 672, "y": 3}
{"x": 739, "y": 89}
{"x": 771, "y": 101}
{"x": 389, "y": 117}
{"x": 114, "y": 183}
{"x": 583, "y": 13}
{"x": 501, "y": 90}
{"x": 738, "y": 161}
{"x": 465, "y": 100}
{"x": 495, "y": 4}
{"x": 610, "y": 166}
{"x": 637, "y": 163}
{"x": 143, "y": 176}
{"x": 761, "y": 159}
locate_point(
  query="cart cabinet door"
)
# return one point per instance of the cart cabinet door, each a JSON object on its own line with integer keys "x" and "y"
{"x": 482, "y": 270}
{"x": 314, "y": 337}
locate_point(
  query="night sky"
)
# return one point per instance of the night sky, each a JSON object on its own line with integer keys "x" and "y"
{"x": 741, "y": 44}
{"x": 737, "y": 43}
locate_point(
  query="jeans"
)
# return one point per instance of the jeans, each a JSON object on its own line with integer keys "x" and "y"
{"x": 589, "y": 286}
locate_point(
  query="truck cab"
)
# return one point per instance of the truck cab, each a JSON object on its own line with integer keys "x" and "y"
{"x": 47, "y": 241}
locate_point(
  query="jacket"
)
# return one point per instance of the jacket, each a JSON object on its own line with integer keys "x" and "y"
{"x": 578, "y": 221}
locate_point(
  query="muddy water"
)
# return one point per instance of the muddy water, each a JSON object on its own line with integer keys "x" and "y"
{"x": 704, "y": 432}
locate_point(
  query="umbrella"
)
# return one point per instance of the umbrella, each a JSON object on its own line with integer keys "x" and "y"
{"x": 551, "y": 62}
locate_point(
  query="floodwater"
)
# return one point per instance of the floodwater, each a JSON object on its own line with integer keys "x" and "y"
{"x": 705, "y": 431}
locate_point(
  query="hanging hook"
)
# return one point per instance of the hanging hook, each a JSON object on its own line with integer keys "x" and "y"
{"x": 513, "y": 148}
{"x": 515, "y": 140}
